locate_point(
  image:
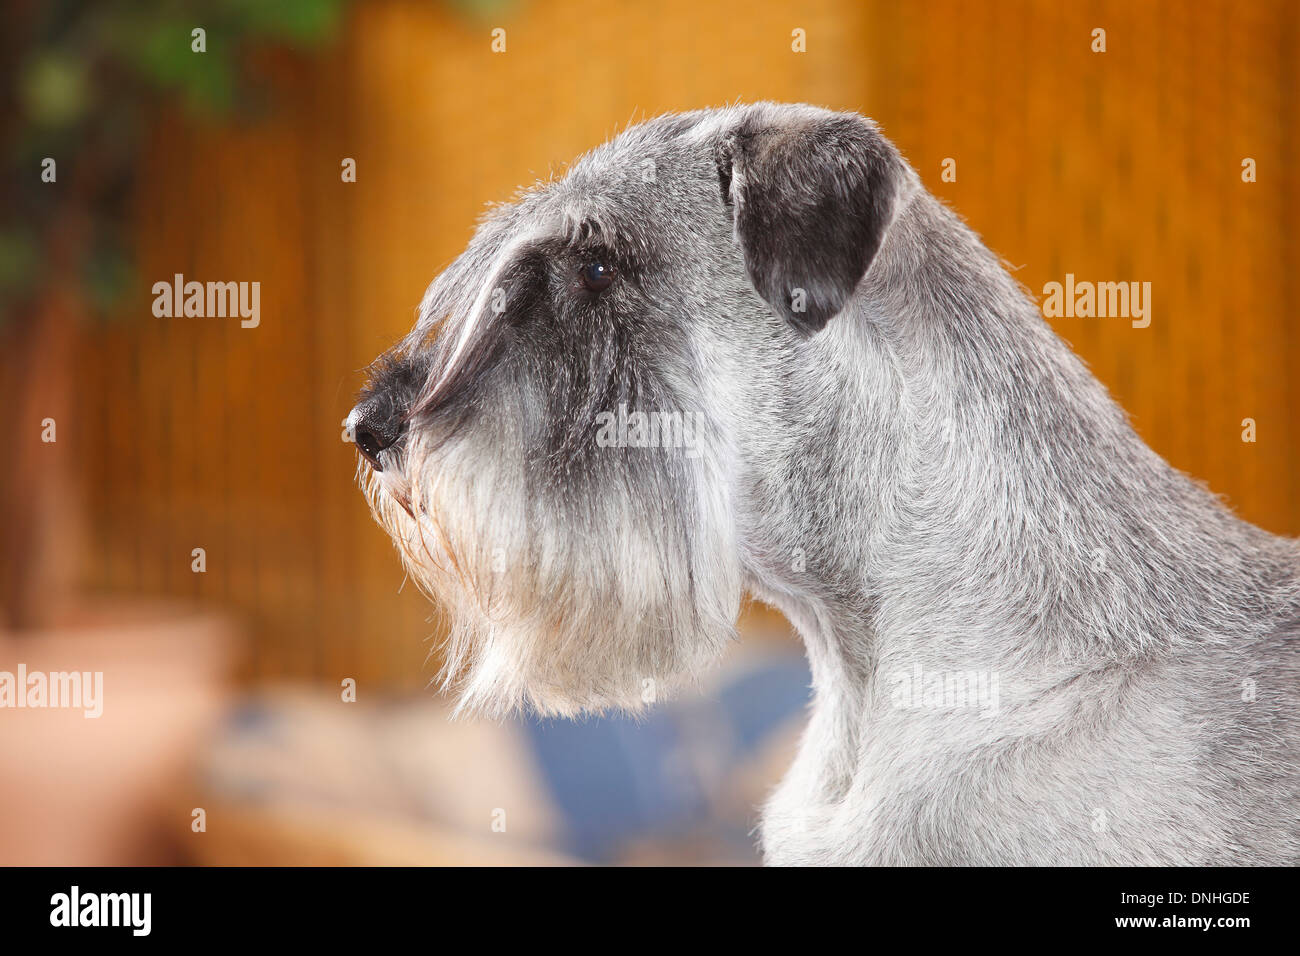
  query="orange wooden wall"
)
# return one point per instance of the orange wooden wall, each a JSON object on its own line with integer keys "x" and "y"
{"x": 1116, "y": 166}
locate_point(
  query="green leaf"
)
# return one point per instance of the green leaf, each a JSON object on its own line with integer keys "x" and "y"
{"x": 53, "y": 89}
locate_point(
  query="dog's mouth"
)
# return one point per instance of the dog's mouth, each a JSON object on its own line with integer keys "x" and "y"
{"x": 402, "y": 509}
{"x": 399, "y": 489}
{"x": 401, "y": 494}
{"x": 389, "y": 481}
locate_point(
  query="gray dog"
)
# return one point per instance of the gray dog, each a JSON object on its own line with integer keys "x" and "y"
{"x": 744, "y": 350}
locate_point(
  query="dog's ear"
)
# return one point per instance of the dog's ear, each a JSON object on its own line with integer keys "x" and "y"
{"x": 811, "y": 193}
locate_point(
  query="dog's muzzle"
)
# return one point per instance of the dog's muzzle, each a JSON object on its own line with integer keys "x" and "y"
{"x": 375, "y": 427}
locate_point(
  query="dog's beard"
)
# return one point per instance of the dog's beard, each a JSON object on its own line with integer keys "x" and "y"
{"x": 607, "y": 598}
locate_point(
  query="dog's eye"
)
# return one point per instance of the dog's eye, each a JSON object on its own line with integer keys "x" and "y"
{"x": 597, "y": 276}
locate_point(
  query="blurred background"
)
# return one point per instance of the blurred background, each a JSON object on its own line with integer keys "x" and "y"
{"x": 226, "y": 669}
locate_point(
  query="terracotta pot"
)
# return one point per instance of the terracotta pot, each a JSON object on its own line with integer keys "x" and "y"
{"x": 90, "y": 791}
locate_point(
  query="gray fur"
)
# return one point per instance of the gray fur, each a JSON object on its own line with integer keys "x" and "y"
{"x": 929, "y": 477}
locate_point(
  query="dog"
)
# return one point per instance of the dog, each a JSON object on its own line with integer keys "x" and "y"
{"x": 891, "y": 446}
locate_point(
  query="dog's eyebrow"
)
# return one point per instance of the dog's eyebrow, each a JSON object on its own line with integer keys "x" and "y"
{"x": 467, "y": 287}
{"x": 632, "y": 245}
{"x": 504, "y": 261}
{"x": 581, "y": 228}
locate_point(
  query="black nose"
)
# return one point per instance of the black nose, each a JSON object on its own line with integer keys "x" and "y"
{"x": 375, "y": 425}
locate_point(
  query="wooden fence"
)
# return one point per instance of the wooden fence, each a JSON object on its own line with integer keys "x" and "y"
{"x": 1122, "y": 165}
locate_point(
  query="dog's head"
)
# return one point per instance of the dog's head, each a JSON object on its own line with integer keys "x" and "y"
{"x": 562, "y": 447}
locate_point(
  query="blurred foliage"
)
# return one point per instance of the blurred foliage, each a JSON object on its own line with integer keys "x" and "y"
{"x": 82, "y": 81}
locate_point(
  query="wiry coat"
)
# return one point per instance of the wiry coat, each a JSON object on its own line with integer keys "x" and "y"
{"x": 896, "y": 451}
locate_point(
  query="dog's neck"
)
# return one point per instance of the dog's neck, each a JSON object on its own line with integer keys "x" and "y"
{"x": 975, "y": 499}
